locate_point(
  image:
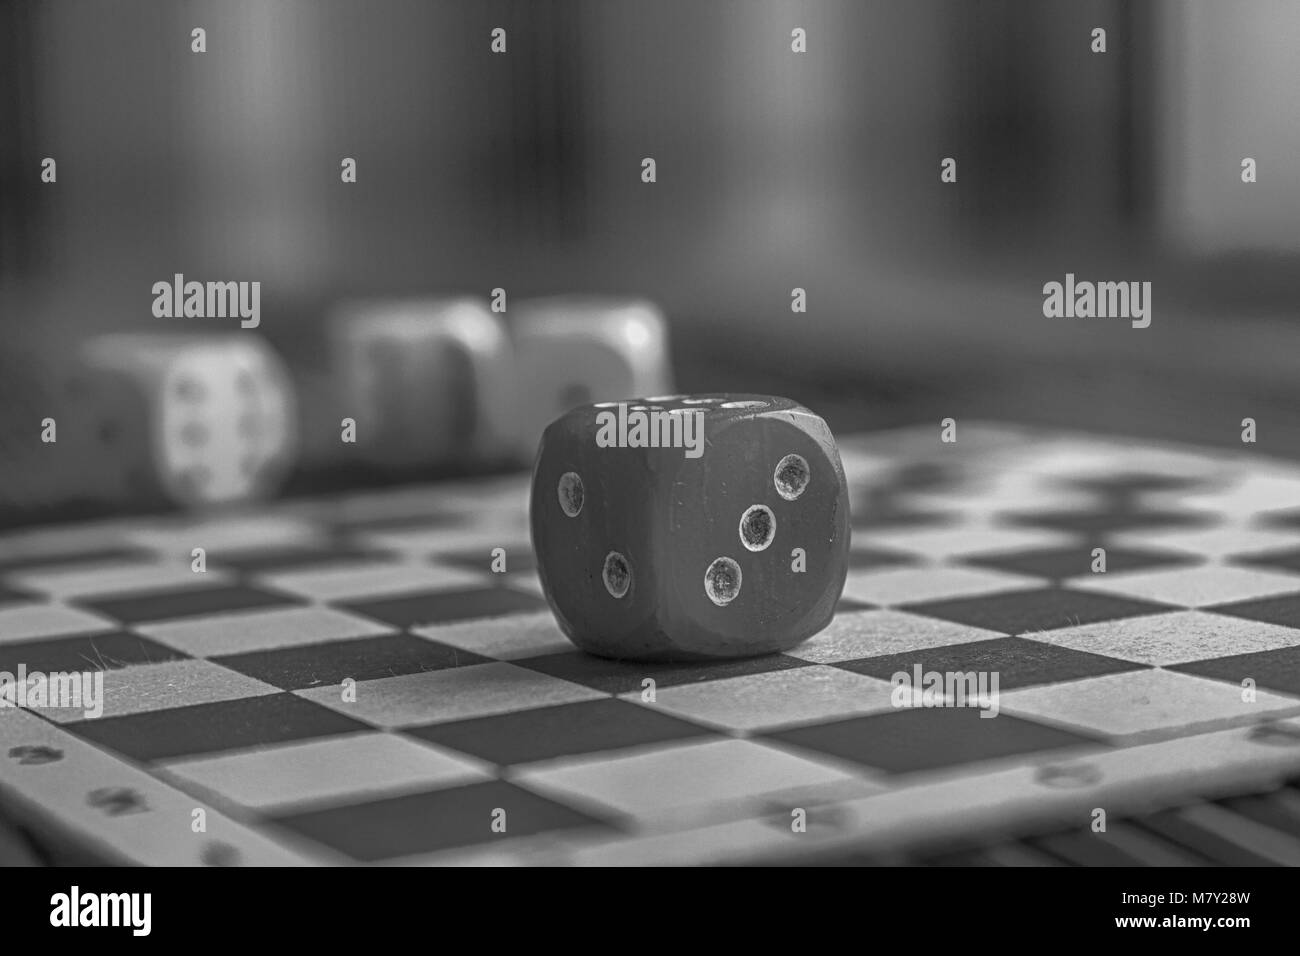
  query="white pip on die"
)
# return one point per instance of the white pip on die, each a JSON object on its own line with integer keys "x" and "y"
{"x": 428, "y": 382}
{"x": 575, "y": 350}
{"x": 190, "y": 419}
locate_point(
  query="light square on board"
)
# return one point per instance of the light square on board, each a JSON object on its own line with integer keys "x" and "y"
{"x": 730, "y": 773}
{"x": 237, "y": 533}
{"x": 969, "y": 538}
{"x": 854, "y": 635}
{"x": 1164, "y": 639}
{"x": 908, "y": 585}
{"x": 863, "y": 465}
{"x": 1259, "y": 491}
{"x": 1144, "y": 703}
{"x": 246, "y": 631}
{"x": 1213, "y": 542}
{"x": 1000, "y": 491}
{"x": 166, "y": 686}
{"x": 118, "y": 578}
{"x": 1191, "y": 587}
{"x": 28, "y": 621}
{"x": 772, "y": 699}
{"x": 504, "y": 638}
{"x": 367, "y": 579}
{"x": 331, "y": 770}
{"x": 456, "y": 694}
{"x": 1104, "y": 463}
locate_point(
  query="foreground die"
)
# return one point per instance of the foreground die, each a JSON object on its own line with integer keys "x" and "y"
{"x": 182, "y": 419}
{"x": 572, "y": 350}
{"x": 689, "y": 528}
{"x": 429, "y": 382}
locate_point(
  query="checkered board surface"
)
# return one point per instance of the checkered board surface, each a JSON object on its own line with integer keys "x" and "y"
{"x": 1120, "y": 690}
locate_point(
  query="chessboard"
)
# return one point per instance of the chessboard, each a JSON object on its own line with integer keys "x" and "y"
{"x": 376, "y": 678}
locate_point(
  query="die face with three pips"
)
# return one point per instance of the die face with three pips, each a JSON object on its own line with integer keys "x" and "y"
{"x": 726, "y": 535}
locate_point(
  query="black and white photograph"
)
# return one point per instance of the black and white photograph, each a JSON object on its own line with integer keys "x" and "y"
{"x": 651, "y": 433}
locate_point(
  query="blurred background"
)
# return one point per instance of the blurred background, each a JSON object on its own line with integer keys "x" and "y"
{"x": 775, "y": 170}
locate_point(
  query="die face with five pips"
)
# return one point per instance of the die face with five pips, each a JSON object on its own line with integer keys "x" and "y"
{"x": 690, "y": 527}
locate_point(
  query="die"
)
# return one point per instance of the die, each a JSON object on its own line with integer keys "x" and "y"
{"x": 690, "y": 527}
{"x": 573, "y": 350}
{"x": 182, "y": 419}
{"x": 428, "y": 382}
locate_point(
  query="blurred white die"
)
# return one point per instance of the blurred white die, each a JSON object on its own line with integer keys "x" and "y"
{"x": 193, "y": 419}
{"x": 573, "y": 350}
{"x": 428, "y": 381}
